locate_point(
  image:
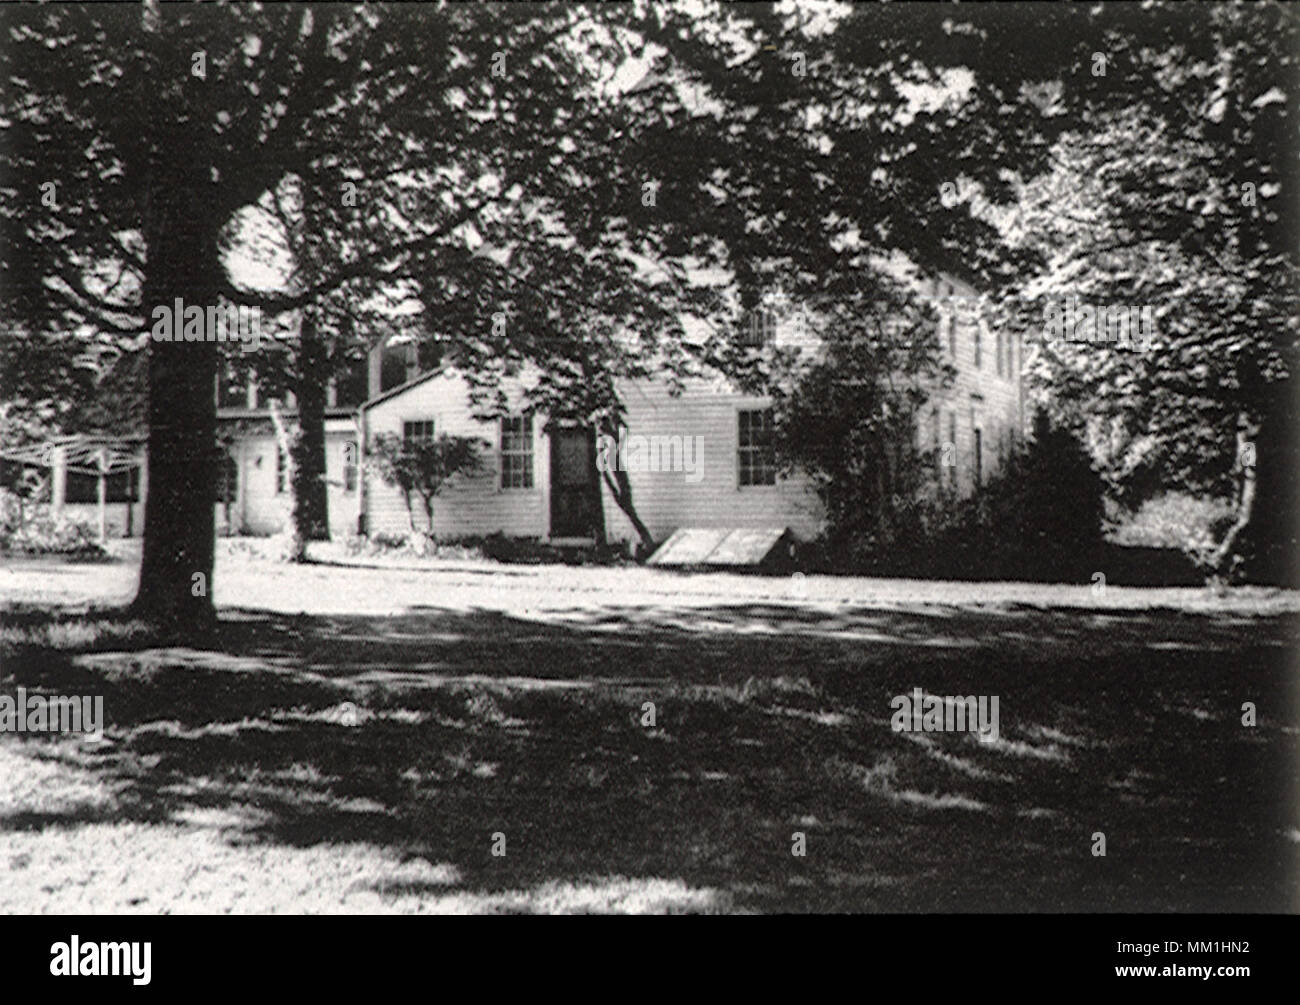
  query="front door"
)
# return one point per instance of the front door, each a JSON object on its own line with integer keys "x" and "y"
{"x": 573, "y": 483}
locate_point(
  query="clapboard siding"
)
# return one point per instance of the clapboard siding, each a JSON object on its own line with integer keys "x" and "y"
{"x": 470, "y": 506}
{"x": 667, "y": 500}
{"x": 259, "y": 509}
{"x": 979, "y": 397}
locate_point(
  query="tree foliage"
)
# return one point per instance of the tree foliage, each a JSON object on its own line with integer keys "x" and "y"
{"x": 422, "y": 468}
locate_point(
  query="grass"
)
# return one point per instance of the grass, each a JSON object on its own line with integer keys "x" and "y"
{"x": 363, "y": 755}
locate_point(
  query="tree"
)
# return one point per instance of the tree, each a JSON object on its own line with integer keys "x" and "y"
{"x": 502, "y": 177}
{"x": 135, "y": 142}
{"x": 1173, "y": 200}
{"x": 848, "y": 414}
{"x": 424, "y": 467}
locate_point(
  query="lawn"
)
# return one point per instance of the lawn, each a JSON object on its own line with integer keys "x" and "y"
{"x": 368, "y": 732}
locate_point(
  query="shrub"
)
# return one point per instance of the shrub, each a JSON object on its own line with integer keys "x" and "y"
{"x": 43, "y": 536}
{"x": 1192, "y": 524}
{"x": 1039, "y": 518}
{"x": 1042, "y": 515}
{"x": 421, "y": 468}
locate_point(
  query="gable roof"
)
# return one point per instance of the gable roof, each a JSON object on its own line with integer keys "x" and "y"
{"x": 393, "y": 392}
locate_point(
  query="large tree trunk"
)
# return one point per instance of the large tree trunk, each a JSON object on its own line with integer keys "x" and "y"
{"x": 1228, "y": 552}
{"x": 175, "y": 591}
{"x": 310, "y": 498}
{"x": 293, "y": 546}
{"x": 1269, "y": 541}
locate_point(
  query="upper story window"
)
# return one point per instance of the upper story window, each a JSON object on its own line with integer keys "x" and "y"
{"x": 418, "y": 429}
{"x": 977, "y": 335}
{"x": 760, "y": 328}
{"x": 755, "y": 451}
{"x": 350, "y": 384}
{"x": 950, "y": 309}
{"x": 517, "y": 452}
{"x": 232, "y": 388}
{"x": 397, "y": 365}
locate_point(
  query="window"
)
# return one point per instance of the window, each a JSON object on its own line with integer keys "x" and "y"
{"x": 755, "y": 454}
{"x": 281, "y": 471}
{"x": 1011, "y": 355}
{"x": 977, "y": 331}
{"x": 979, "y": 457}
{"x": 950, "y": 318}
{"x": 119, "y": 487}
{"x": 517, "y": 452}
{"x": 952, "y": 445}
{"x": 760, "y": 328}
{"x": 997, "y": 362}
{"x": 232, "y": 388}
{"x": 350, "y": 384}
{"x": 420, "y": 429}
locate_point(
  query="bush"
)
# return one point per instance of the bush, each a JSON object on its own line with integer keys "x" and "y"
{"x": 1042, "y": 516}
{"x": 43, "y": 536}
{"x": 1039, "y": 518}
{"x": 493, "y": 547}
{"x": 420, "y": 468}
{"x": 1192, "y": 524}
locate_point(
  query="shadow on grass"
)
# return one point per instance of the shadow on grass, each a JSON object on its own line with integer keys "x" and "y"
{"x": 429, "y": 733}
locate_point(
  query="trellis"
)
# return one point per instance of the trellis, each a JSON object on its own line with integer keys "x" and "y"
{"x": 97, "y": 456}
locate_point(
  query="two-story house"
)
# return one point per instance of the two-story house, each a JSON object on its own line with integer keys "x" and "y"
{"x": 699, "y": 459}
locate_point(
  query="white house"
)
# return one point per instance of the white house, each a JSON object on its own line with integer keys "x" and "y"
{"x": 700, "y": 459}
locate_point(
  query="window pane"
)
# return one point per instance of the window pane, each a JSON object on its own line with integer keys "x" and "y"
{"x": 421, "y": 429}
{"x": 517, "y": 452}
{"x": 755, "y": 457}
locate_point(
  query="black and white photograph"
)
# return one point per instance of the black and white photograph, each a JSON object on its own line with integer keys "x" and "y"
{"x": 665, "y": 457}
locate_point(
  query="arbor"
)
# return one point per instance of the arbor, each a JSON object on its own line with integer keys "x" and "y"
{"x": 500, "y": 169}
{"x": 135, "y": 143}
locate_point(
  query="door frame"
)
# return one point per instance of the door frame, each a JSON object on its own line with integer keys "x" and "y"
{"x": 553, "y": 434}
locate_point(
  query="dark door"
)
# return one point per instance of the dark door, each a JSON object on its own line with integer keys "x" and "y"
{"x": 573, "y": 483}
